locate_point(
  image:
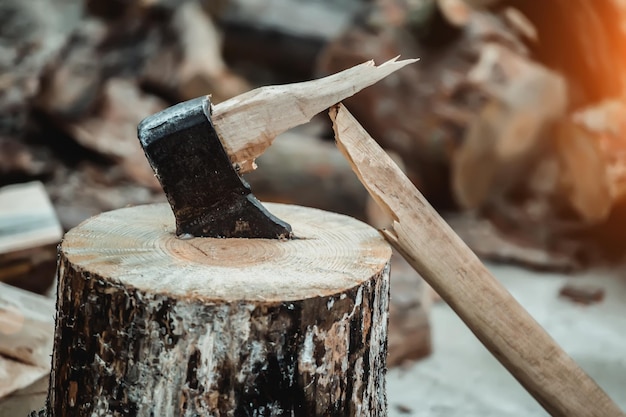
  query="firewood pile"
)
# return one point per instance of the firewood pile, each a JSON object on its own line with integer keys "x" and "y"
{"x": 511, "y": 124}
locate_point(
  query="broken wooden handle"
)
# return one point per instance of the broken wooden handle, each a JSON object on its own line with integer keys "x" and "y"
{"x": 198, "y": 151}
{"x": 460, "y": 278}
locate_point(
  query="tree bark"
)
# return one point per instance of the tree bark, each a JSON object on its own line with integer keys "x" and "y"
{"x": 153, "y": 325}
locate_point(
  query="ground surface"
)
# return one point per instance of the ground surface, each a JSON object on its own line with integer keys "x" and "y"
{"x": 461, "y": 379}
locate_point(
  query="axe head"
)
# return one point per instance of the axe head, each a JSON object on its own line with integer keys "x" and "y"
{"x": 207, "y": 195}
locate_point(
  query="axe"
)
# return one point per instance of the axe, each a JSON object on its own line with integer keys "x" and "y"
{"x": 198, "y": 151}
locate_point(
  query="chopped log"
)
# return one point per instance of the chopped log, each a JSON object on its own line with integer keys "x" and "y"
{"x": 23, "y": 401}
{"x": 592, "y": 61}
{"x": 150, "y": 324}
{"x": 188, "y": 62}
{"x": 492, "y": 243}
{"x": 202, "y": 69}
{"x": 112, "y": 129}
{"x": 458, "y": 276}
{"x": 17, "y": 375}
{"x": 32, "y": 34}
{"x": 281, "y": 38}
{"x": 600, "y": 131}
{"x": 72, "y": 84}
{"x": 508, "y": 137}
{"x": 584, "y": 181}
{"x": 29, "y": 233}
{"x": 93, "y": 188}
{"x": 26, "y": 326}
{"x": 26, "y": 334}
{"x": 20, "y": 162}
{"x": 438, "y": 89}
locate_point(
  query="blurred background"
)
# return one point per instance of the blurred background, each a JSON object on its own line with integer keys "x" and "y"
{"x": 512, "y": 124}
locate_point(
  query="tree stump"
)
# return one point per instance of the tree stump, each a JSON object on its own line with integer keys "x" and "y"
{"x": 153, "y": 325}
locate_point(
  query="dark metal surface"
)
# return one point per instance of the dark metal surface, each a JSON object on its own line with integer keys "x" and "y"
{"x": 207, "y": 195}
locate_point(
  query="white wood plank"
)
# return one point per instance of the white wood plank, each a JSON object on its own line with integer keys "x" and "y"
{"x": 27, "y": 218}
{"x": 26, "y": 326}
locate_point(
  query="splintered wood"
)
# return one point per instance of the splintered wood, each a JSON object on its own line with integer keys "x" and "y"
{"x": 247, "y": 124}
{"x": 450, "y": 267}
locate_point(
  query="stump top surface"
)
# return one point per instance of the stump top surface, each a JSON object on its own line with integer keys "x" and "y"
{"x": 137, "y": 247}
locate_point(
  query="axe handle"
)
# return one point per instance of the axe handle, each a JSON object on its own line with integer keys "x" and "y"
{"x": 460, "y": 278}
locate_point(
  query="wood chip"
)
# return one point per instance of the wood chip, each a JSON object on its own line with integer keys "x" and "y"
{"x": 582, "y": 294}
